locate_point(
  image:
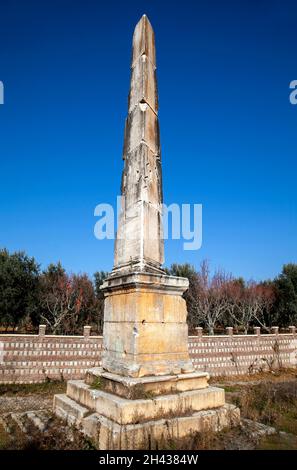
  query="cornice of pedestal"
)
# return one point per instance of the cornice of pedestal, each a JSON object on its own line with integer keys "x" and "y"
{"x": 146, "y": 281}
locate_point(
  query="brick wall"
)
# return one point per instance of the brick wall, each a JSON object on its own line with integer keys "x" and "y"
{"x": 240, "y": 354}
{"x": 34, "y": 358}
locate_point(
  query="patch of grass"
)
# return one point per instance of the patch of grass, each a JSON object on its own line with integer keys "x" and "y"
{"x": 278, "y": 442}
{"x": 274, "y": 404}
{"x": 97, "y": 384}
{"x": 55, "y": 437}
{"x": 228, "y": 438}
{"x": 45, "y": 388}
{"x": 288, "y": 421}
{"x": 280, "y": 375}
{"x": 231, "y": 388}
{"x": 139, "y": 393}
{"x": 4, "y": 440}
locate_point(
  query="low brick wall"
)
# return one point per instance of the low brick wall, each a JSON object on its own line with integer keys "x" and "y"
{"x": 34, "y": 358}
{"x": 242, "y": 354}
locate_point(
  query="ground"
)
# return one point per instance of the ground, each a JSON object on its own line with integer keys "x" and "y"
{"x": 268, "y": 404}
{"x": 269, "y": 399}
{"x": 27, "y": 421}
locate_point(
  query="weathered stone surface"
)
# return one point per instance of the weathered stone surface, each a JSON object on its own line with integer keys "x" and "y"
{"x": 139, "y": 242}
{"x": 143, "y": 338}
{"x": 144, "y": 41}
{"x": 124, "y": 411}
{"x": 143, "y": 84}
{"x": 142, "y": 179}
{"x": 138, "y": 339}
{"x": 142, "y": 127}
{"x": 146, "y": 251}
{"x": 68, "y": 409}
{"x": 256, "y": 430}
{"x": 136, "y": 307}
{"x": 141, "y": 280}
{"x": 129, "y": 387}
{"x": 150, "y": 364}
{"x": 108, "y": 435}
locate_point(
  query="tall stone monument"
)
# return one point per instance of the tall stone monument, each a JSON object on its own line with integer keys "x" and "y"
{"x": 147, "y": 386}
{"x": 145, "y": 330}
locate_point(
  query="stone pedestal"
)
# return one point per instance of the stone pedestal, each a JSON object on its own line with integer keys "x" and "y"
{"x": 145, "y": 330}
{"x": 147, "y": 389}
{"x": 159, "y": 408}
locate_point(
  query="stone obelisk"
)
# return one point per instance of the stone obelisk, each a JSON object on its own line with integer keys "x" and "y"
{"x": 139, "y": 243}
{"x": 145, "y": 329}
{"x": 147, "y": 388}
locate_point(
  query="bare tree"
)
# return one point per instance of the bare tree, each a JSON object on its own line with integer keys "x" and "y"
{"x": 210, "y": 297}
{"x": 220, "y": 299}
{"x": 248, "y": 303}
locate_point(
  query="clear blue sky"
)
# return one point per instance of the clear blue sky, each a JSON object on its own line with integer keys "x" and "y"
{"x": 228, "y": 130}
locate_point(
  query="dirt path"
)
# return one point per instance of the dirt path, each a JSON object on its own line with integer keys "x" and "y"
{"x": 18, "y": 404}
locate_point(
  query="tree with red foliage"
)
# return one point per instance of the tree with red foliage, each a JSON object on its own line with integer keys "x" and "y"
{"x": 249, "y": 302}
{"x": 68, "y": 301}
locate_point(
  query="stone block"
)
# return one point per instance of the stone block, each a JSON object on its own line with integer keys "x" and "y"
{"x": 141, "y": 180}
{"x": 142, "y": 126}
{"x": 125, "y": 411}
{"x": 108, "y": 435}
{"x": 87, "y": 332}
{"x": 143, "y": 338}
{"x": 129, "y": 387}
{"x": 292, "y": 330}
{"x": 143, "y": 84}
{"x": 68, "y": 409}
{"x": 145, "y": 329}
{"x": 257, "y": 330}
{"x": 140, "y": 236}
{"x": 149, "y": 308}
{"x": 148, "y": 364}
{"x": 41, "y": 330}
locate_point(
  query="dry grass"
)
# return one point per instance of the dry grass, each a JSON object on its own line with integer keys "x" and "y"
{"x": 281, "y": 375}
{"x": 227, "y": 439}
{"x": 48, "y": 388}
{"x": 278, "y": 442}
{"x": 55, "y": 437}
{"x": 271, "y": 403}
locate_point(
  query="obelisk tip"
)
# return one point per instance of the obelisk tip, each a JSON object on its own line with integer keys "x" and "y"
{"x": 143, "y": 40}
{"x": 142, "y": 21}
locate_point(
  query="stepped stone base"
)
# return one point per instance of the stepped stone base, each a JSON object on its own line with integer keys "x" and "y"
{"x": 107, "y": 434}
{"x": 114, "y": 421}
